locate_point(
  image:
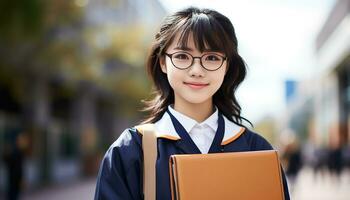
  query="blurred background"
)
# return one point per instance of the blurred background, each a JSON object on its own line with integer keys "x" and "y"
{"x": 72, "y": 79}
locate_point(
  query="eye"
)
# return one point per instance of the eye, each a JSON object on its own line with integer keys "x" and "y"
{"x": 212, "y": 57}
{"x": 181, "y": 56}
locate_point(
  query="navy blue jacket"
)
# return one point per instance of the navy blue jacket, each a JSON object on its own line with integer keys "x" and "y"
{"x": 121, "y": 171}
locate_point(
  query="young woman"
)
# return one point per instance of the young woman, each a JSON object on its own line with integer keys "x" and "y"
{"x": 196, "y": 69}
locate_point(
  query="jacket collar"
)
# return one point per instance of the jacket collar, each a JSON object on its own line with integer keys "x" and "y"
{"x": 165, "y": 129}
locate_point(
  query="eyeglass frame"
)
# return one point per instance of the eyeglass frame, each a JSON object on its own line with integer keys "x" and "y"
{"x": 194, "y": 57}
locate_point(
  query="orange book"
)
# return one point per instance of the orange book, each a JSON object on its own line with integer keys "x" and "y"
{"x": 225, "y": 176}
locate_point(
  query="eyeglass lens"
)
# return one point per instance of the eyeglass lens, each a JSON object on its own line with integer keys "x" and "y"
{"x": 209, "y": 61}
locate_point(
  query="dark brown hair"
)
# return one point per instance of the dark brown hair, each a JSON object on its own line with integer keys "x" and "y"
{"x": 212, "y": 30}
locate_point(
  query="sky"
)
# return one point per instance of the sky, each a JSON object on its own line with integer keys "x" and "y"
{"x": 276, "y": 38}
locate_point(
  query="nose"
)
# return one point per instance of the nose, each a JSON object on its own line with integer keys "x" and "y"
{"x": 196, "y": 69}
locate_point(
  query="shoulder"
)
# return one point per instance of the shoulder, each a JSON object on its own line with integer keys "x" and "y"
{"x": 244, "y": 136}
{"x": 129, "y": 136}
{"x": 127, "y": 147}
{"x": 256, "y": 141}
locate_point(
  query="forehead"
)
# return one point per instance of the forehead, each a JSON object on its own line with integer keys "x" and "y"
{"x": 188, "y": 42}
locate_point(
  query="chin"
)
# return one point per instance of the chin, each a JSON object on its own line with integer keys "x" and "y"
{"x": 197, "y": 100}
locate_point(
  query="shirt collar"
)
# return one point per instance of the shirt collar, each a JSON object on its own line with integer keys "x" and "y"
{"x": 165, "y": 128}
{"x": 188, "y": 123}
{"x": 212, "y": 120}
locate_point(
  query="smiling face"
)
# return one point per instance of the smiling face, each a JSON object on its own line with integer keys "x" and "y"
{"x": 205, "y": 28}
{"x": 194, "y": 85}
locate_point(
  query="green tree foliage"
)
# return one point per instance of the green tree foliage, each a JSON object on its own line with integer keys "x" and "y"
{"x": 51, "y": 39}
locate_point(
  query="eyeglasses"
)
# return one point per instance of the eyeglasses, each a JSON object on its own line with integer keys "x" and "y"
{"x": 209, "y": 61}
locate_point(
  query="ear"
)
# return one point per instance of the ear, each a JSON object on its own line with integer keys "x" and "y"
{"x": 162, "y": 64}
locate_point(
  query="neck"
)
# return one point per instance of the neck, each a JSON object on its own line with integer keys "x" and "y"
{"x": 198, "y": 112}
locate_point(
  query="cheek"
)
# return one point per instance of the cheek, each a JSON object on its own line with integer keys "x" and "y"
{"x": 219, "y": 77}
{"x": 174, "y": 77}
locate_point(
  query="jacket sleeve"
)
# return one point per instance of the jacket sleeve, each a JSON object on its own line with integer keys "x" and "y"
{"x": 257, "y": 142}
{"x": 120, "y": 172}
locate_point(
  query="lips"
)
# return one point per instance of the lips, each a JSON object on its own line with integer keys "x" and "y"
{"x": 196, "y": 85}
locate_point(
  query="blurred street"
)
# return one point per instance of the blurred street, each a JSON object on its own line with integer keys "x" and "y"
{"x": 321, "y": 187}
{"x": 308, "y": 187}
{"x": 78, "y": 190}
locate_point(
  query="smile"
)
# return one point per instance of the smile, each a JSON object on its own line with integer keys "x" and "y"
{"x": 194, "y": 85}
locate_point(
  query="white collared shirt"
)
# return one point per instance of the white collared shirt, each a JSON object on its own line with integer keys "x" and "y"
{"x": 202, "y": 133}
{"x": 165, "y": 129}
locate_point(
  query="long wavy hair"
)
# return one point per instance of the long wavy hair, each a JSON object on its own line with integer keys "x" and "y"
{"x": 210, "y": 29}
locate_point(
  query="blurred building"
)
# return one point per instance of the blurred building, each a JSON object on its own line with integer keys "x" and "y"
{"x": 333, "y": 55}
{"x": 69, "y": 98}
{"x": 319, "y": 111}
